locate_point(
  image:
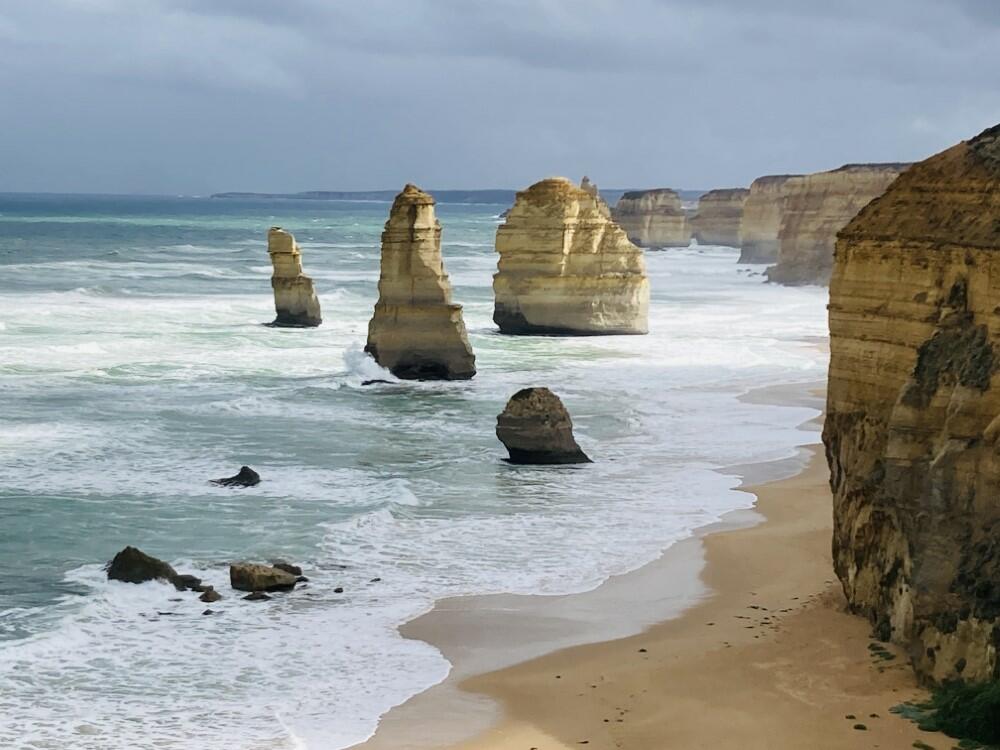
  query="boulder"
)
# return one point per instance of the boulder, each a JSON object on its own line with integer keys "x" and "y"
{"x": 210, "y": 596}
{"x": 295, "y": 300}
{"x": 253, "y": 577}
{"x": 536, "y": 429}
{"x": 135, "y": 566}
{"x": 246, "y": 477}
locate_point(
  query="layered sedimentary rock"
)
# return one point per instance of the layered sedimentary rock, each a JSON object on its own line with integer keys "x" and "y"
{"x": 566, "y": 267}
{"x": 295, "y": 299}
{"x": 761, "y": 219}
{"x": 718, "y": 218}
{"x": 417, "y": 332}
{"x": 536, "y": 429}
{"x": 816, "y": 207}
{"x": 912, "y": 430}
{"x": 653, "y": 218}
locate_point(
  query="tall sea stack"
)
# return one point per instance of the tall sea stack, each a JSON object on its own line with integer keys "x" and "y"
{"x": 566, "y": 267}
{"x": 719, "y": 215}
{"x": 295, "y": 299}
{"x": 761, "y": 220}
{"x": 417, "y": 332}
{"x": 912, "y": 430}
{"x": 653, "y": 218}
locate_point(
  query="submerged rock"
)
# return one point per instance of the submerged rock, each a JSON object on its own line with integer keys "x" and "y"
{"x": 210, "y": 596}
{"x": 253, "y": 577}
{"x": 417, "y": 332}
{"x": 536, "y": 429}
{"x": 566, "y": 267}
{"x": 295, "y": 300}
{"x": 653, "y": 218}
{"x": 257, "y": 596}
{"x": 246, "y": 477}
{"x": 912, "y": 431}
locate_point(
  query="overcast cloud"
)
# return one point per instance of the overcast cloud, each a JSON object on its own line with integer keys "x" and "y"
{"x": 196, "y": 96}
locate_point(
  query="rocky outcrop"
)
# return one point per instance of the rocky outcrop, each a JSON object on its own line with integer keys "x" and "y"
{"x": 252, "y": 577}
{"x": 295, "y": 299}
{"x": 132, "y": 565}
{"x": 245, "y": 477}
{"x": 761, "y": 220}
{"x": 816, "y": 207}
{"x": 417, "y": 332}
{"x": 566, "y": 267}
{"x": 653, "y": 218}
{"x": 717, "y": 221}
{"x": 536, "y": 429}
{"x": 912, "y": 431}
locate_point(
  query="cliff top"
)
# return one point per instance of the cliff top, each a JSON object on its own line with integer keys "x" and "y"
{"x": 773, "y": 179}
{"x": 632, "y": 195}
{"x": 726, "y": 193}
{"x": 888, "y": 166}
{"x": 412, "y": 196}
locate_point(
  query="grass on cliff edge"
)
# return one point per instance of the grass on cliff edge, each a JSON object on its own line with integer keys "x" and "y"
{"x": 970, "y": 713}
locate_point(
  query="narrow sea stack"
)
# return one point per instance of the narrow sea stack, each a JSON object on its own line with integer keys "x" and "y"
{"x": 816, "y": 207}
{"x": 566, "y": 267}
{"x": 417, "y": 332}
{"x": 719, "y": 215}
{"x": 536, "y": 429}
{"x": 761, "y": 220}
{"x": 653, "y": 218}
{"x": 912, "y": 430}
{"x": 295, "y": 299}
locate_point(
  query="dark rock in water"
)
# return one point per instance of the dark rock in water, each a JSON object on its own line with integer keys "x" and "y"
{"x": 210, "y": 596}
{"x": 301, "y": 579}
{"x": 257, "y": 596}
{"x": 251, "y": 577}
{"x": 376, "y": 382}
{"x": 536, "y": 429}
{"x": 295, "y": 570}
{"x": 187, "y": 583}
{"x": 339, "y": 590}
{"x": 208, "y": 612}
{"x": 135, "y": 566}
{"x": 246, "y": 477}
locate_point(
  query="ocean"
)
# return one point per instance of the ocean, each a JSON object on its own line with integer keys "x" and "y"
{"x": 135, "y": 367}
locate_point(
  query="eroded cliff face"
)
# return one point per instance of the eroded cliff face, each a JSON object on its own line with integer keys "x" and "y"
{"x": 912, "y": 431}
{"x": 816, "y": 207}
{"x": 295, "y": 300}
{"x": 417, "y": 332}
{"x": 719, "y": 215}
{"x": 761, "y": 220}
{"x": 566, "y": 267}
{"x": 653, "y": 218}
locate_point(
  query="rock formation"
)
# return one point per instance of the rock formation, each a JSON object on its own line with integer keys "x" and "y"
{"x": 295, "y": 299}
{"x": 566, "y": 267}
{"x": 246, "y": 477}
{"x": 912, "y": 431}
{"x": 761, "y": 220}
{"x": 717, "y": 221}
{"x": 132, "y": 565}
{"x": 536, "y": 429}
{"x": 816, "y": 207}
{"x": 417, "y": 332}
{"x": 653, "y": 218}
{"x": 251, "y": 577}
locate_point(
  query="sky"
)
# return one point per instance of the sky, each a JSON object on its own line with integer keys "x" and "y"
{"x": 200, "y": 96}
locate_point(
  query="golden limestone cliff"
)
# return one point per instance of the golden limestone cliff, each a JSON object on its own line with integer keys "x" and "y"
{"x": 417, "y": 333}
{"x": 912, "y": 431}
{"x": 653, "y": 218}
{"x": 717, "y": 221}
{"x": 295, "y": 299}
{"x": 761, "y": 220}
{"x": 816, "y": 207}
{"x": 566, "y": 267}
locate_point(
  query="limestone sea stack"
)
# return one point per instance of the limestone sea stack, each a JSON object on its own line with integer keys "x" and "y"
{"x": 536, "y": 429}
{"x": 295, "y": 299}
{"x": 717, "y": 221}
{"x": 653, "y": 218}
{"x": 816, "y": 207}
{"x": 566, "y": 267}
{"x": 417, "y": 332}
{"x": 912, "y": 431}
{"x": 761, "y": 220}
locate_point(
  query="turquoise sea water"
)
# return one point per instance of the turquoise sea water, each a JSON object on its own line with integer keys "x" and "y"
{"x": 134, "y": 367}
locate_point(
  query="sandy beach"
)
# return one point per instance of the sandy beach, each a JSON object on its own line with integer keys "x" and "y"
{"x": 755, "y": 652}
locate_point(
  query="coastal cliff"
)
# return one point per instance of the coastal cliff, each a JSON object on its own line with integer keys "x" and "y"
{"x": 566, "y": 267}
{"x": 761, "y": 220}
{"x": 816, "y": 207}
{"x": 417, "y": 332}
{"x": 912, "y": 431}
{"x": 295, "y": 300}
{"x": 717, "y": 221}
{"x": 653, "y": 218}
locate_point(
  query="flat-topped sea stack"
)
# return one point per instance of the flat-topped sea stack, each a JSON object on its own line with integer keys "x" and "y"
{"x": 816, "y": 207}
{"x": 653, "y": 218}
{"x": 566, "y": 268}
{"x": 295, "y": 299}
{"x": 761, "y": 220}
{"x": 536, "y": 429}
{"x": 417, "y": 332}
{"x": 719, "y": 215}
{"x": 912, "y": 430}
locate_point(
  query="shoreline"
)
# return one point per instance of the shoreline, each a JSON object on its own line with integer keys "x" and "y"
{"x": 762, "y": 578}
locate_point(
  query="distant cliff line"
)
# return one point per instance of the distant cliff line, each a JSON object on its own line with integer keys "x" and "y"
{"x": 499, "y": 197}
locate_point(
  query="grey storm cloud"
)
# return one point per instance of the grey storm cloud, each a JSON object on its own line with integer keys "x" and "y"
{"x": 201, "y": 95}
